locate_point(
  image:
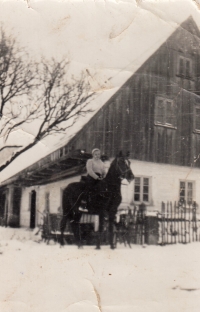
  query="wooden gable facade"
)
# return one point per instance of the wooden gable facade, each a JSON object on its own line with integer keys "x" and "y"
{"x": 156, "y": 114}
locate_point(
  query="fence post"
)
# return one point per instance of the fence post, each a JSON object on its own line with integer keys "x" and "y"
{"x": 163, "y": 222}
{"x": 185, "y": 225}
{"x": 189, "y": 224}
{"x": 181, "y": 223}
{"x": 151, "y": 230}
{"x": 195, "y": 218}
{"x": 171, "y": 222}
{"x": 178, "y": 225}
{"x": 175, "y": 231}
{"x": 167, "y": 221}
{"x": 142, "y": 212}
{"x": 193, "y": 224}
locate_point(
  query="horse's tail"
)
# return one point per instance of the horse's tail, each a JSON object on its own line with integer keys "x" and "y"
{"x": 71, "y": 199}
{"x": 70, "y": 202}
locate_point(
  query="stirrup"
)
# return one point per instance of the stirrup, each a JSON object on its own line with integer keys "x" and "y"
{"x": 83, "y": 209}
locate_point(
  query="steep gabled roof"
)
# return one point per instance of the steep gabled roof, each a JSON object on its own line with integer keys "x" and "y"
{"x": 190, "y": 25}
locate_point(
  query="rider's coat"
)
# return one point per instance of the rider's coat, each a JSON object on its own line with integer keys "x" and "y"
{"x": 94, "y": 166}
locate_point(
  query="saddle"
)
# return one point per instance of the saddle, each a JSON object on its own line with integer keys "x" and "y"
{"x": 92, "y": 195}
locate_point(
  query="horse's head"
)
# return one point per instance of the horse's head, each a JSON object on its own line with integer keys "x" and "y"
{"x": 123, "y": 168}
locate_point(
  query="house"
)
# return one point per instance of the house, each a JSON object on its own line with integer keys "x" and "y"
{"x": 155, "y": 116}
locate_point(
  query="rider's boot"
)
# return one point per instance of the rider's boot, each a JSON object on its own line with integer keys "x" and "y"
{"x": 84, "y": 202}
{"x": 83, "y": 206}
{"x": 98, "y": 240}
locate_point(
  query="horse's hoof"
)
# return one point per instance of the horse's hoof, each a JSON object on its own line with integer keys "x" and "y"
{"x": 62, "y": 243}
{"x": 98, "y": 248}
{"x": 112, "y": 247}
{"x": 80, "y": 247}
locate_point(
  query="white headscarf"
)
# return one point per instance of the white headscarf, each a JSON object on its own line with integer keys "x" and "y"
{"x": 95, "y": 150}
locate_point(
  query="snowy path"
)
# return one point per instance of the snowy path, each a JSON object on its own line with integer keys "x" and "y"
{"x": 40, "y": 278}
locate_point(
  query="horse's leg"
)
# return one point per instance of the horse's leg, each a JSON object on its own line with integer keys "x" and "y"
{"x": 62, "y": 228}
{"x": 76, "y": 229}
{"x": 113, "y": 205}
{"x": 100, "y": 231}
{"x": 129, "y": 237}
{"x": 111, "y": 232}
{"x": 124, "y": 238}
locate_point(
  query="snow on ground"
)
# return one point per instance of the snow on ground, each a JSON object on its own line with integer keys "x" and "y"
{"x": 36, "y": 277}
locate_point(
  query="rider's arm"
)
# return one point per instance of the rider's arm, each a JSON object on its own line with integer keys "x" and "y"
{"x": 90, "y": 169}
{"x": 104, "y": 171}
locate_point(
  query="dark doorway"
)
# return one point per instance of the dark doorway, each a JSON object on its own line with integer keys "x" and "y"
{"x": 2, "y": 207}
{"x": 33, "y": 209}
{"x": 15, "y": 219}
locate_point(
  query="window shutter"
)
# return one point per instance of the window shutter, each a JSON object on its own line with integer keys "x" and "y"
{"x": 146, "y": 189}
{"x": 169, "y": 113}
{"x": 137, "y": 189}
{"x": 187, "y": 68}
{"x": 160, "y": 112}
{"x": 181, "y": 67}
{"x": 47, "y": 202}
{"x": 190, "y": 193}
{"x": 182, "y": 191}
{"x": 197, "y": 125}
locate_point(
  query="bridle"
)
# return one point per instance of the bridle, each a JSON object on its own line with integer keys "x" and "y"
{"x": 123, "y": 173}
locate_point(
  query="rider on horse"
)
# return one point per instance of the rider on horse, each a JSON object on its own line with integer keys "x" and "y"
{"x": 96, "y": 172}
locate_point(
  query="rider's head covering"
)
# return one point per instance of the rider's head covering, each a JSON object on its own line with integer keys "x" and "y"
{"x": 95, "y": 150}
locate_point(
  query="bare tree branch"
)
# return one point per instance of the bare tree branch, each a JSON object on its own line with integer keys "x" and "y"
{"x": 58, "y": 102}
{"x": 10, "y": 146}
{"x": 16, "y": 71}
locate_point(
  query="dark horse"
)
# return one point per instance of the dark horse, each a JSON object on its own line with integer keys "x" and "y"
{"x": 106, "y": 198}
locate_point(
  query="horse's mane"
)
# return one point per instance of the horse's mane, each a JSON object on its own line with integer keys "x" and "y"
{"x": 112, "y": 174}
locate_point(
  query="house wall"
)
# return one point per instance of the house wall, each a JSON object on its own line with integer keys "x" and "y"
{"x": 165, "y": 180}
{"x": 25, "y": 206}
{"x": 54, "y": 190}
{"x": 164, "y": 186}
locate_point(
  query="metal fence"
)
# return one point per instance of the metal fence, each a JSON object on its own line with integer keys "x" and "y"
{"x": 130, "y": 226}
{"x": 178, "y": 223}
{"x": 175, "y": 223}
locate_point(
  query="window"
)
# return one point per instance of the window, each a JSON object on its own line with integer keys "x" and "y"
{"x": 61, "y": 152}
{"x": 54, "y": 155}
{"x": 186, "y": 192}
{"x": 165, "y": 112}
{"x": 184, "y": 67}
{"x": 61, "y": 200}
{"x": 142, "y": 189}
{"x": 47, "y": 202}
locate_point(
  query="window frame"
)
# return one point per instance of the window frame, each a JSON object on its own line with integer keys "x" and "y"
{"x": 186, "y": 191}
{"x": 61, "y": 152}
{"x": 47, "y": 201}
{"x": 196, "y": 130}
{"x": 55, "y": 155}
{"x": 61, "y": 198}
{"x": 165, "y": 116}
{"x": 142, "y": 177}
{"x": 185, "y": 60}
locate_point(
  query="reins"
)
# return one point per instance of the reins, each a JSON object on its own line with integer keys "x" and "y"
{"x": 121, "y": 171}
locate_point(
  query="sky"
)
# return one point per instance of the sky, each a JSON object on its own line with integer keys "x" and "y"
{"x": 107, "y": 40}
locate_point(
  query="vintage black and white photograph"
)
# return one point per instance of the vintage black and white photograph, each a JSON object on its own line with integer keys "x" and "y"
{"x": 99, "y": 156}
